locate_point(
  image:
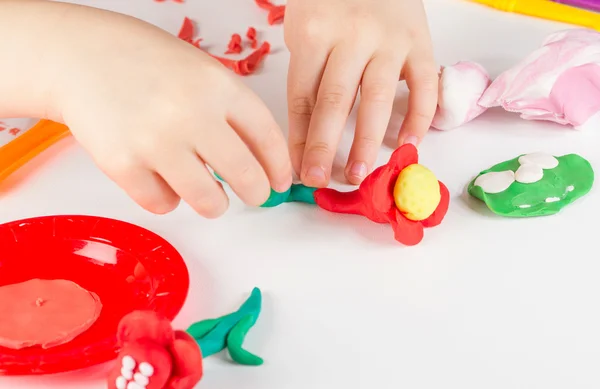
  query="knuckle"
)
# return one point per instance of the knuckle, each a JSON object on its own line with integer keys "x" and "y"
{"x": 367, "y": 142}
{"x": 117, "y": 164}
{"x": 245, "y": 175}
{"x": 378, "y": 92}
{"x": 311, "y": 32}
{"x": 302, "y": 106}
{"x": 334, "y": 97}
{"x": 321, "y": 148}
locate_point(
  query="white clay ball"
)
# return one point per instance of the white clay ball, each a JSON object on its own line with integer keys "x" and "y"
{"x": 128, "y": 374}
{"x": 121, "y": 382}
{"x": 543, "y": 160}
{"x": 529, "y": 173}
{"x": 495, "y": 182}
{"x": 146, "y": 369}
{"x": 128, "y": 362}
{"x": 133, "y": 385}
{"x": 141, "y": 379}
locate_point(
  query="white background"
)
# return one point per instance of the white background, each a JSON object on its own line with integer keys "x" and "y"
{"x": 482, "y": 303}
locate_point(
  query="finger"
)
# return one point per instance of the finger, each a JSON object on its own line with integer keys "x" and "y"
{"x": 254, "y": 123}
{"x": 377, "y": 92}
{"x": 187, "y": 174}
{"x": 144, "y": 186}
{"x": 422, "y": 81}
{"x": 237, "y": 165}
{"x": 304, "y": 76}
{"x": 335, "y": 99}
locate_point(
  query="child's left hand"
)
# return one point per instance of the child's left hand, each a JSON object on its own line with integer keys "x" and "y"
{"x": 337, "y": 46}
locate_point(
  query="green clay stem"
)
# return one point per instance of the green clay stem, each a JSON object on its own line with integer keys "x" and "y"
{"x": 213, "y": 335}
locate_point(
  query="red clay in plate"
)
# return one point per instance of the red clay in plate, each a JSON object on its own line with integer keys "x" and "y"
{"x": 128, "y": 267}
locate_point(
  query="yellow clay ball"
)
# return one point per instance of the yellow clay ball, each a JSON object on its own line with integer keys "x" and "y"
{"x": 417, "y": 192}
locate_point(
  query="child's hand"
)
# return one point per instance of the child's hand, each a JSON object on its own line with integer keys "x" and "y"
{"x": 337, "y": 46}
{"x": 152, "y": 110}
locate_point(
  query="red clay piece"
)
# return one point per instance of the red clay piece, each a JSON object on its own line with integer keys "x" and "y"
{"x": 252, "y": 37}
{"x": 242, "y": 67}
{"x": 155, "y": 356}
{"x": 235, "y": 44}
{"x": 276, "y": 12}
{"x": 374, "y": 199}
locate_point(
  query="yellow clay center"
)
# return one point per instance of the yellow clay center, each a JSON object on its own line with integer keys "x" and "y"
{"x": 417, "y": 192}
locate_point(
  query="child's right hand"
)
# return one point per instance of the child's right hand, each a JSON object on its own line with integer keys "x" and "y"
{"x": 153, "y": 110}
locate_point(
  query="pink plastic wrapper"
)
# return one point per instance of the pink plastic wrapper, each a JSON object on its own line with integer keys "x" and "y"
{"x": 559, "y": 82}
{"x": 460, "y": 88}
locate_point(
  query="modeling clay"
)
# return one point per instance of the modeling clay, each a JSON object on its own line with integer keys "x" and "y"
{"x": 242, "y": 67}
{"x": 235, "y": 44}
{"x": 297, "y": 193}
{"x": 460, "y": 88}
{"x": 559, "y": 82}
{"x": 154, "y": 356}
{"x": 214, "y": 335}
{"x": 536, "y": 184}
{"x": 252, "y": 37}
{"x": 402, "y": 193}
{"x": 276, "y": 12}
{"x": 45, "y": 313}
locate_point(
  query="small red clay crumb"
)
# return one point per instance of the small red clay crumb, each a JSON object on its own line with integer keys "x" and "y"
{"x": 251, "y": 35}
{"x": 235, "y": 44}
{"x": 14, "y": 131}
{"x": 39, "y": 302}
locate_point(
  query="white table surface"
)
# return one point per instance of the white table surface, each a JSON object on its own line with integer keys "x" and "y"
{"x": 482, "y": 303}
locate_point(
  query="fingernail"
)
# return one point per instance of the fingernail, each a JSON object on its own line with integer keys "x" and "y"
{"x": 413, "y": 140}
{"x": 358, "y": 169}
{"x": 281, "y": 187}
{"x": 316, "y": 174}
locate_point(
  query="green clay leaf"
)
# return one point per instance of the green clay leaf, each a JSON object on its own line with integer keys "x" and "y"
{"x": 202, "y": 328}
{"x": 213, "y": 335}
{"x": 559, "y": 187}
{"x": 235, "y": 340}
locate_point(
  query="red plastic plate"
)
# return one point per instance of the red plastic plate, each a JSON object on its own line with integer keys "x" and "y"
{"x": 128, "y": 267}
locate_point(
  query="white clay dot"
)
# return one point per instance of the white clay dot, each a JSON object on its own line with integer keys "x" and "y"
{"x": 121, "y": 382}
{"x": 141, "y": 379}
{"x": 529, "y": 173}
{"x": 495, "y": 182}
{"x": 128, "y": 362}
{"x": 133, "y": 385}
{"x": 543, "y": 160}
{"x": 146, "y": 369}
{"x": 128, "y": 374}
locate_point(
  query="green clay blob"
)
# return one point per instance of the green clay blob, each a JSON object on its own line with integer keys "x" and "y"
{"x": 297, "y": 193}
{"x": 559, "y": 186}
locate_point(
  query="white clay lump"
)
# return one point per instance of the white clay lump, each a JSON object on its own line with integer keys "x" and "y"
{"x": 495, "y": 182}
{"x": 543, "y": 160}
{"x": 529, "y": 173}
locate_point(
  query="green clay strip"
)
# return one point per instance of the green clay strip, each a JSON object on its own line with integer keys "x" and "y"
{"x": 229, "y": 331}
{"x": 559, "y": 187}
{"x": 297, "y": 193}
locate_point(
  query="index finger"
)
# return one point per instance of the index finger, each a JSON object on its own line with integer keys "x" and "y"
{"x": 422, "y": 81}
{"x": 253, "y": 122}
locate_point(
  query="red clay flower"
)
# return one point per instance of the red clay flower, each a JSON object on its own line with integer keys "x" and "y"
{"x": 153, "y": 356}
{"x": 376, "y": 198}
